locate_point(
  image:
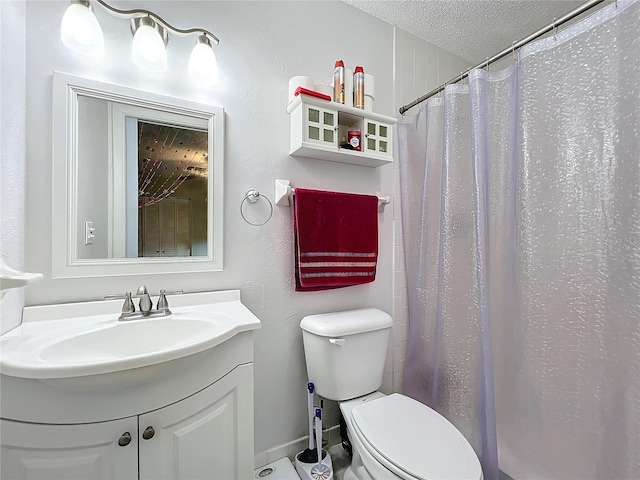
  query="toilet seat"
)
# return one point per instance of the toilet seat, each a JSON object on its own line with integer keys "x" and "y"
{"x": 422, "y": 444}
{"x": 374, "y": 456}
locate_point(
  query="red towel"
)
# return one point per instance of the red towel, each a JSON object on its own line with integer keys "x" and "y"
{"x": 336, "y": 239}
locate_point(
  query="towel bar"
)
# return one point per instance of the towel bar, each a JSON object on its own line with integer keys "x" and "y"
{"x": 284, "y": 191}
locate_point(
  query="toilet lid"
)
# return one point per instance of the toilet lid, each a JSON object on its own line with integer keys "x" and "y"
{"x": 415, "y": 439}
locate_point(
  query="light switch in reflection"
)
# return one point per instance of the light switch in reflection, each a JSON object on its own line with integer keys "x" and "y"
{"x": 89, "y": 234}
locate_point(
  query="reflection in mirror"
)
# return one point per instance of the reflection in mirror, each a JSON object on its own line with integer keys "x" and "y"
{"x": 144, "y": 182}
{"x": 172, "y": 191}
{"x": 160, "y": 207}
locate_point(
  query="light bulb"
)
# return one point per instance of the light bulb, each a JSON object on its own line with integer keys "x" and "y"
{"x": 148, "y": 48}
{"x": 80, "y": 30}
{"x": 202, "y": 63}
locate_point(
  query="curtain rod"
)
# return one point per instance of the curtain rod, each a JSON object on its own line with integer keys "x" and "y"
{"x": 552, "y": 26}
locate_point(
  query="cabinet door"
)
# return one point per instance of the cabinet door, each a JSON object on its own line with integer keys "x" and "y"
{"x": 150, "y": 232}
{"x": 321, "y": 126}
{"x": 206, "y": 436}
{"x": 377, "y": 138}
{"x": 165, "y": 229}
{"x": 69, "y": 452}
{"x": 184, "y": 232}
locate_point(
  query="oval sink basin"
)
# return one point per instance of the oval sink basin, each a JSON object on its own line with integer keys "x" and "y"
{"x": 127, "y": 340}
{"x": 80, "y": 340}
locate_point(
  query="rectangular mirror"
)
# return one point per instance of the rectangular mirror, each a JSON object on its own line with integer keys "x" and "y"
{"x": 137, "y": 181}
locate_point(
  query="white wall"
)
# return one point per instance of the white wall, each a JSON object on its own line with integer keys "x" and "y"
{"x": 263, "y": 44}
{"x": 12, "y": 155}
{"x": 93, "y": 153}
{"x": 419, "y": 68}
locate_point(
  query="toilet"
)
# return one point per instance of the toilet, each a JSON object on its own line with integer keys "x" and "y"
{"x": 392, "y": 436}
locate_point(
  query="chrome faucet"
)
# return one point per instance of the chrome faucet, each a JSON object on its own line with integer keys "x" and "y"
{"x": 145, "y": 305}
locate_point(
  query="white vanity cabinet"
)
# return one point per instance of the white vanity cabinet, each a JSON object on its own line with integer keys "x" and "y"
{"x": 196, "y": 438}
{"x": 318, "y": 127}
{"x": 73, "y": 409}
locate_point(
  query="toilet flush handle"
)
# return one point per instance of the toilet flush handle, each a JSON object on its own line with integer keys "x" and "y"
{"x": 337, "y": 341}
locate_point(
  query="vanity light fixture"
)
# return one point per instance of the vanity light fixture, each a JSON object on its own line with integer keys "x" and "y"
{"x": 81, "y": 32}
{"x": 149, "y": 46}
{"x": 202, "y": 63}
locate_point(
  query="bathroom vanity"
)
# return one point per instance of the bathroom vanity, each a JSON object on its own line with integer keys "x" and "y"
{"x": 85, "y": 396}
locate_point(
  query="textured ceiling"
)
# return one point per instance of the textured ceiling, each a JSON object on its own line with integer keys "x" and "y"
{"x": 472, "y": 29}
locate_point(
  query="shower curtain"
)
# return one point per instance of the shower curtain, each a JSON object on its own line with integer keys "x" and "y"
{"x": 521, "y": 224}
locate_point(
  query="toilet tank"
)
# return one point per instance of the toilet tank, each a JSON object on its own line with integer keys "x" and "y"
{"x": 346, "y": 351}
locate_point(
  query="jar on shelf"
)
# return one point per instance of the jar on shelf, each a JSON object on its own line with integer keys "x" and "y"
{"x": 353, "y": 138}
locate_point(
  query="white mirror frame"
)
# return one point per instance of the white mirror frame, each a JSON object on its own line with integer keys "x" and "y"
{"x": 66, "y": 89}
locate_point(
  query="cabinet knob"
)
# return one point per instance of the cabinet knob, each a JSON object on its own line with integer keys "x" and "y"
{"x": 125, "y": 439}
{"x": 148, "y": 433}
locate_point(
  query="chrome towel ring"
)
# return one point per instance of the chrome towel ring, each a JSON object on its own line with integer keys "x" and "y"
{"x": 252, "y": 197}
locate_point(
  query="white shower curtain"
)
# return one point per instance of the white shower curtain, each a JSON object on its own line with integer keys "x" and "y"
{"x": 521, "y": 222}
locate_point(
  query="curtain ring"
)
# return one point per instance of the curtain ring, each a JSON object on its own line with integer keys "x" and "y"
{"x": 555, "y": 29}
{"x": 252, "y": 197}
{"x": 513, "y": 51}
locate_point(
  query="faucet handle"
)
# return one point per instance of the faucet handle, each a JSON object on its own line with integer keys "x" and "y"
{"x": 163, "y": 304}
{"x": 177, "y": 291}
{"x": 128, "y": 306}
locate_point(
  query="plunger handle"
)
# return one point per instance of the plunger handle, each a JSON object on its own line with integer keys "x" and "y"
{"x": 310, "y": 388}
{"x": 319, "y": 433}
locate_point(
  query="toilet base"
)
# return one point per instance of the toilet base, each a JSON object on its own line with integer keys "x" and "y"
{"x": 357, "y": 471}
{"x": 310, "y": 471}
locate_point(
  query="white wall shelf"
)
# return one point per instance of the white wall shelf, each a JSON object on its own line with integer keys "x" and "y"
{"x": 319, "y": 127}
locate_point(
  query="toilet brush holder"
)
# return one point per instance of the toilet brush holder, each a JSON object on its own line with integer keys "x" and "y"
{"x": 306, "y": 470}
{"x": 321, "y": 468}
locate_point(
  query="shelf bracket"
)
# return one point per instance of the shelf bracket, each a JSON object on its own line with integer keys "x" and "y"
{"x": 284, "y": 190}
